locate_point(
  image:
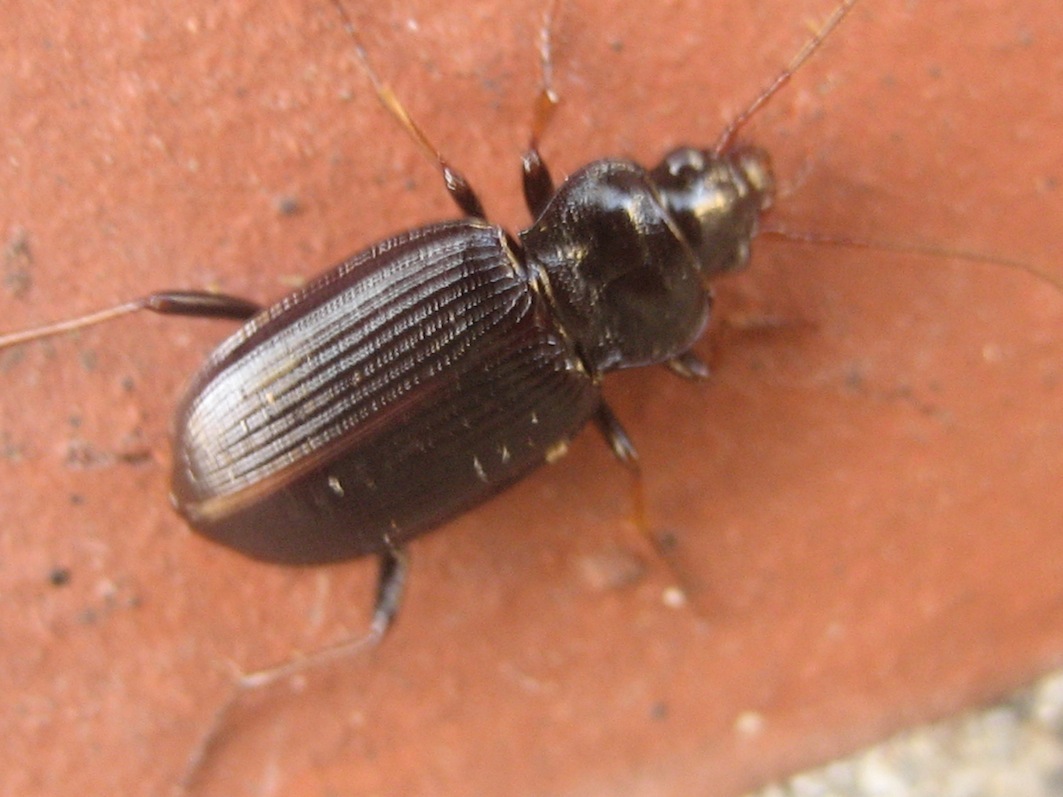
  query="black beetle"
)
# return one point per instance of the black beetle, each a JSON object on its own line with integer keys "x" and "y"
{"x": 430, "y": 371}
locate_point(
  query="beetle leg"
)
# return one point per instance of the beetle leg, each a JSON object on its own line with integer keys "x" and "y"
{"x": 625, "y": 452}
{"x": 392, "y": 578}
{"x": 537, "y": 182}
{"x": 662, "y": 543}
{"x": 200, "y": 304}
{"x": 391, "y": 582}
{"x": 457, "y": 186}
{"x": 616, "y": 437}
{"x": 689, "y": 366}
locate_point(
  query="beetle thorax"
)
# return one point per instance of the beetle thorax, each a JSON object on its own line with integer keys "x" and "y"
{"x": 626, "y": 253}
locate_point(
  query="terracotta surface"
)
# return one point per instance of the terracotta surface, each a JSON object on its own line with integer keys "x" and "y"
{"x": 865, "y": 499}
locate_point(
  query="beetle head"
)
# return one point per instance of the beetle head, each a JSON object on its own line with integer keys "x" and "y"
{"x": 716, "y": 199}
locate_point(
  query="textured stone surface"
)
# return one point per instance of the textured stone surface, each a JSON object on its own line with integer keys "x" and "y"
{"x": 1013, "y": 749}
{"x": 864, "y": 499}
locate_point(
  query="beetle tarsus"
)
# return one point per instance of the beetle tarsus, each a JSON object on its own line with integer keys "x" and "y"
{"x": 689, "y": 366}
{"x": 616, "y": 437}
{"x": 394, "y": 564}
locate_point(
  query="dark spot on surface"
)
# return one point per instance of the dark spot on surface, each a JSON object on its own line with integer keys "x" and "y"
{"x": 659, "y": 711}
{"x": 287, "y": 205}
{"x": 9, "y": 449}
{"x": 9, "y": 358}
{"x": 17, "y": 260}
{"x": 667, "y": 541}
{"x": 611, "y": 569}
{"x": 855, "y": 377}
{"x": 87, "y": 616}
{"x": 134, "y": 456}
{"x": 59, "y": 576}
{"x": 89, "y": 360}
{"x": 82, "y": 454}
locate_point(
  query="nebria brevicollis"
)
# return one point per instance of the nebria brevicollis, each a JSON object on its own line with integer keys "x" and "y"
{"x": 430, "y": 371}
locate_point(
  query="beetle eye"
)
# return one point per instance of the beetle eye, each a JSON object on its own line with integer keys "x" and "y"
{"x": 685, "y": 164}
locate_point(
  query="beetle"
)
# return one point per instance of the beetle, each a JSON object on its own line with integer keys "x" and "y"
{"x": 427, "y": 373}
{"x": 707, "y": 77}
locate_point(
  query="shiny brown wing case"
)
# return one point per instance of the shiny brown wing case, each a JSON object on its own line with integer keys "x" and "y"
{"x": 407, "y": 384}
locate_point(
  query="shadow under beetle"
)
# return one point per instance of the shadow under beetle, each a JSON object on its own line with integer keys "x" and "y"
{"x": 430, "y": 371}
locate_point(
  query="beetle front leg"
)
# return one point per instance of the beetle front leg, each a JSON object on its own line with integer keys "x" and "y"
{"x": 536, "y": 180}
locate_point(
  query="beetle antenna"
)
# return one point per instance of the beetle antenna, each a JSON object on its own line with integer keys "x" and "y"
{"x": 922, "y": 250}
{"x": 727, "y": 138}
{"x": 455, "y": 182}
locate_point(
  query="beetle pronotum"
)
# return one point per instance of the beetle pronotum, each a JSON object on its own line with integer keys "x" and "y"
{"x": 596, "y": 150}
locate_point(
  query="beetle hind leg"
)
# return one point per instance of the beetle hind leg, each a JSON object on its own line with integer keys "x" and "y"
{"x": 390, "y": 583}
{"x": 195, "y": 304}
